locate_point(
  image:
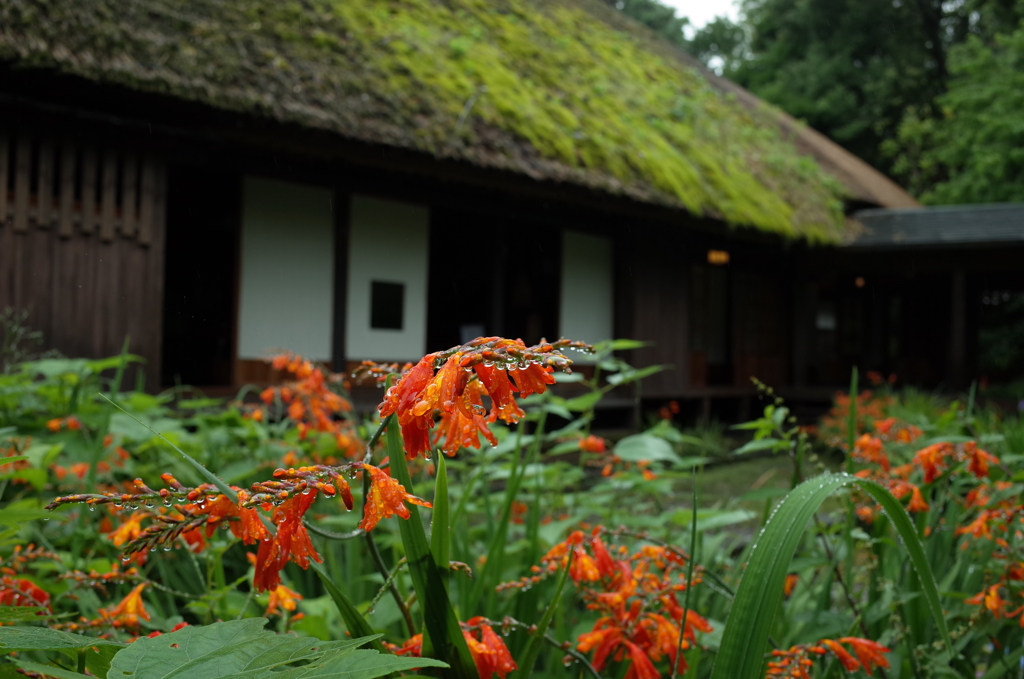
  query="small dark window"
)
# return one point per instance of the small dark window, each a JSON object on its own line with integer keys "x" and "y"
{"x": 387, "y": 305}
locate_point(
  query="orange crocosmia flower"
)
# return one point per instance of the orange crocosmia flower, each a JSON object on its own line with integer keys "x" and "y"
{"x": 281, "y": 598}
{"x": 129, "y": 611}
{"x": 412, "y": 647}
{"x": 917, "y": 502}
{"x": 402, "y": 397}
{"x": 72, "y": 423}
{"x": 991, "y": 599}
{"x": 489, "y": 651}
{"x": 869, "y": 653}
{"x": 866, "y": 514}
{"x": 584, "y": 567}
{"x": 292, "y": 542}
{"x": 129, "y": 529}
{"x": 79, "y": 469}
{"x": 387, "y": 497}
{"x": 849, "y": 663}
{"x": 978, "y": 460}
{"x": 22, "y": 592}
{"x": 245, "y": 523}
{"x": 54, "y": 424}
{"x": 790, "y": 585}
{"x": 604, "y": 638}
{"x": 462, "y": 426}
{"x": 641, "y": 667}
{"x": 932, "y": 460}
{"x": 869, "y": 449}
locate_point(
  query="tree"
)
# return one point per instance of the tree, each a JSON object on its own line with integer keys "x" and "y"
{"x": 972, "y": 151}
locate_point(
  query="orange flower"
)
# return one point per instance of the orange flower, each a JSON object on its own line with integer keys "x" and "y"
{"x": 128, "y": 612}
{"x": 281, "y": 598}
{"x": 931, "y": 460}
{"x": 386, "y": 498}
{"x": 978, "y": 460}
{"x": 461, "y": 427}
{"x": 917, "y": 502}
{"x": 245, "y": 523}
{"x": 500, "y": 366}
{"x": 489, "y": 651}
{"x": 54, "y": 424}
{"x": 790, "y": 585}
{"x": 849, "y": 663}
{"x": 22, "y": 592}
{"x": 292, "y": 542}
{"x": 869, "y": 449}
{"x": 592, "y": 444}
{"x": 129, "y": 529}
{"x": 869, "y": 653}
{"x": 80, "y": 469}
{"x": 72, "y": 423}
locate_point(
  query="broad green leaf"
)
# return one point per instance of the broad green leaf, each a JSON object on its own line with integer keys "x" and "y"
{"x": 361, "y": 664}
{"x": 223, "y": 649}
{"x": 49, "y": 670}
{"x": 13, "y": 458}
{"x": 622, "y": 344}
{"x": 741, "y": 655}
{"x": 529, "y": 657}
{"x": 644, "y": 447}
{"x": 44, "y": 639}
{"x": 583, "y": 403}
{"x": 443, "y": 633}
{"x": 18, "y": 516}
{"x": 26, "y": 614}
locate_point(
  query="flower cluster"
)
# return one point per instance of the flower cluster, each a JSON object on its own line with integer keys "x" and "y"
{"x": 22, "y": 592}
{"x": 490, "y": 654}
{"x": 927, "y": 464}
{"x": 312, "y": 403}
{"x": 795, "y": 662}
{"x": 71, "y": 423}
{"x": 454, "y": 382}
{"x": 637, "y": 597}
{"x": 871, "y": 407}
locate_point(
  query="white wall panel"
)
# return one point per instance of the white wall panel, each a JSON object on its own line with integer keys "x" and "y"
{"x": 587, "y": 276}
{"x": 287, "y": 279}
{"x": 388, "y": 242}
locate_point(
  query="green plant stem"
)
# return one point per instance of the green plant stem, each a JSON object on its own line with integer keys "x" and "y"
{"x": 689, "y": 577}
{"x": 389, "y": 582}
{"x": 331, "y": 535}
{"x": 854, "y": 606}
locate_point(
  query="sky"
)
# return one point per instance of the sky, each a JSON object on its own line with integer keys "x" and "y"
{"x": 703, "y": 11}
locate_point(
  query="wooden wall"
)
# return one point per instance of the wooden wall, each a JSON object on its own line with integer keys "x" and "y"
{"x": 657, "y": 278}
{"x": 81, "y": 245}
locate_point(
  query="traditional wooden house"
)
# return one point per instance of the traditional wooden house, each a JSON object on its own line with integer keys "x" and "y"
{"x": 370, "y": 180}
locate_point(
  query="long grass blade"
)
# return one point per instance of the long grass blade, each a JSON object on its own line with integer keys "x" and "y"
{"x": 443, "y": 637}
{"x": 440, "y": 529}
{"x": 354, "y": 620}
{"x": 760, "y": 593}
{"x": 529, "y": 657}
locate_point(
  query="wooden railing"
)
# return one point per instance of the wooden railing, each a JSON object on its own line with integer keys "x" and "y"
{"x": 47, "y": 183}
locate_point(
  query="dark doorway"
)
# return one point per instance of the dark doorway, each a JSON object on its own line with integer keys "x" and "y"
{"x": 201, "y": 277}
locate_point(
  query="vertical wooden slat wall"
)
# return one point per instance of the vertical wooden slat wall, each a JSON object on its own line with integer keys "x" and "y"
{"x": 84, "y": 288}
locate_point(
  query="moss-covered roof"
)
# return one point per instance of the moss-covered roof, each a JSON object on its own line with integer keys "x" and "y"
{"x": 549, "y": 88}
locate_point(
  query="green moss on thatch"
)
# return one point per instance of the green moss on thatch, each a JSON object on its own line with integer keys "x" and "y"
{"x": 547, "y": 89}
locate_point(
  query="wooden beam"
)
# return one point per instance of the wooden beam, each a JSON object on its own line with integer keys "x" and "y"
{"x": 22, "y": 179}
{"x": 88, "y": 189}
{"x": 108, "y": 206}
{"x": 44, "y": 185}
{"x": 65, "y": 220}
{"x": 129, "y": 184}
{"x": 3, "y": 176}
{"x": 147, "y": 205}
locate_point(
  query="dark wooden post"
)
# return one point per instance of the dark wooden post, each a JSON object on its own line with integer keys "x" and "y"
{"x": 958, "y": 329}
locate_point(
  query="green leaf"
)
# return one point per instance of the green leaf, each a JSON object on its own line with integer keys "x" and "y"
{"x": 223, "y": 649}
{"x": 633, "y": 374}
{"x": 49, "y": 670}
{"x": 354, "y": 620}
{"x": 442, "y": 627}
{"x": 361, "y": 664}
{"x": 45, "y": 639}
{"x": 757, "y": 445}
{"x": 26, "y": 614}
{"x": 741, "y": 655}
{"x": 622, "y": 344}
{"x": 708, "y": 519}
{"x": 440, "y": 528}
{"x": 583, "y": 403}
{"x": 1003, "y": 665}
{"x": 644, "y": 447}
{"x": 16, "y": 517}
{"x": 529, "y": 657}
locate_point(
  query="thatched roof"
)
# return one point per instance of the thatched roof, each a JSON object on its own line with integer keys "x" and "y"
{"x": 559, "y": 90}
